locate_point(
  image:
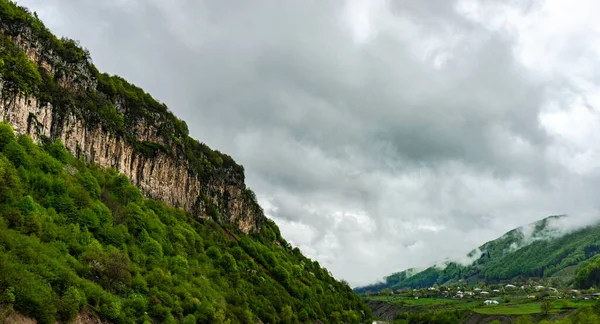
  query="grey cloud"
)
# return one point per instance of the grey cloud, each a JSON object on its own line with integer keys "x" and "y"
{"x": 378, "y": 152}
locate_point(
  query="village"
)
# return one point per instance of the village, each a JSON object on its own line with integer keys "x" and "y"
{"x": 492, "y": 294}
{"x": 527, "y": 297}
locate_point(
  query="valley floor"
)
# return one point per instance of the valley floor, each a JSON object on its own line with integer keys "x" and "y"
{"x": 470, "y": 311}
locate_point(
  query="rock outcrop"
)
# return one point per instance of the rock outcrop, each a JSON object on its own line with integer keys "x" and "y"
{"x": 168, "y": 173}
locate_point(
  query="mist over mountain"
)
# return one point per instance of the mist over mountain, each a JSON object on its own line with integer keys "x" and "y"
{"x": 549, "y": 248}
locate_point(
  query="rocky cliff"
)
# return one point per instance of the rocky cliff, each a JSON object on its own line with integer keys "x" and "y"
{"x": 59, "y": 94}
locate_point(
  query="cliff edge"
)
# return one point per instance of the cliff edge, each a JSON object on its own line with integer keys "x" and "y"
{"x": 50, "y": 89}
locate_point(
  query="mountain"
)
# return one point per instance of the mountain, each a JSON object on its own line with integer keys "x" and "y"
{"x": 50, "y": 88}
{"x": 538, "y": 250}
{"x": 108, "y": 207}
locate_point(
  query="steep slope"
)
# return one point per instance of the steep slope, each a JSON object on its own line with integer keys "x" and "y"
{"x": 50, "y": 88}
{"x": 107, "y": 204}
{"x": 538, "y": 250}
{"x": 73, "y": 234}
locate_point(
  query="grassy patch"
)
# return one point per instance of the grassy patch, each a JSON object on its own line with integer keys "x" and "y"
{"x": 518, "y": 305}
{"x": 429, "y": 301}
{"x": 531, "y": 307}
{"x": 519, "y": 309}
{"x": 415, "y": 302}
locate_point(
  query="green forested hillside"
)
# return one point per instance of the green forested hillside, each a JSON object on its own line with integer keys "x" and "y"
{"x": 542, "y": 253}
{"x": 72, "y": 84}
{"x": 75, "y": 236}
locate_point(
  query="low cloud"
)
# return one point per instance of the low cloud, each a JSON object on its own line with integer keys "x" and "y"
{"x": 468, "y": 258}
{"x": 381, "y": 135}
{"x": 554, "y": 227}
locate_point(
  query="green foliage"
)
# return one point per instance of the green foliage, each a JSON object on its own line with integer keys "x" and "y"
{"x": 18, "y": 73}
{"x": 546, "y": 306}
{"x": 9, "y": 182}
{"x": 544, "y": 254}
{"x": 73, "y": 235}
{"x": 437, "y": 316}
{"x": 114, "y": 104}
{"x": 6, "y": 135}
{"x": 588, "y": 274}
{"x": 525, "y": 319}
{"x": 71, "y": 303}
{"x": 287, "y": 315}
{"x": 524, "y": 310}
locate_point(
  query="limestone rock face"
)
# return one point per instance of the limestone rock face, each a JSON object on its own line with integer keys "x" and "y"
{"x": 165, "y": 175}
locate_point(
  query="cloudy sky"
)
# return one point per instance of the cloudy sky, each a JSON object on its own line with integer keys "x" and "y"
{"x": 379, "y": 135}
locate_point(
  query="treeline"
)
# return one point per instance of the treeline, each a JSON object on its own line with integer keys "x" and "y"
{"x": 588, "y": 274}
{"x": 75, "y": 236}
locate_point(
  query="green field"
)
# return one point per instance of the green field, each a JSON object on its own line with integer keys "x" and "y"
{"x": 430, "y": 301}
{"x": 508, "y": 309}
{"x": 416, "y": 302}
{"x": 533, "y": 307}
{"x": 517, "y": 306}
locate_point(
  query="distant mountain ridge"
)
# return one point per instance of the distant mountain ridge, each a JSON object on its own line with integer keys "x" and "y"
{"x": 537, "y": 250}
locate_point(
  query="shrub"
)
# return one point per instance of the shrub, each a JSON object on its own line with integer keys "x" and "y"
{"x": 71, "y": 303}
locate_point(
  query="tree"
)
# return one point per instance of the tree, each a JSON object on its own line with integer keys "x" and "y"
{"x": 189, "y": 319}
{"x": 546, "y": 306}
{"x": 214, "y": 253}
{"x": 287, "y": 315}
{"x": 7, "y": 134}
{"x": 16, "y": 154}
{"x": 18, "y": 72}
{"x": 179, "y": 265}
{"x": 386, "y": 291}
{"x": 596, "y": 306}
{"x": 228, "y": 263}
{"x": 90, "y": 183}
{"x": 297, "y": 270}
{"x": 71, "y": 303}
{"x": 152, "y": 248}
{"x": 525, "y": 319}
{"x": 9, "y": 180}
{"x": 335, "y": 317}
{"x": 281, "y": 274}
{"x": 8, "y": 298}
